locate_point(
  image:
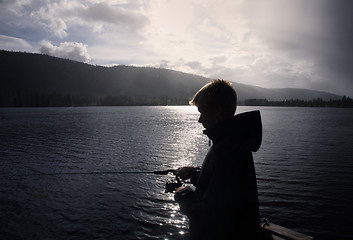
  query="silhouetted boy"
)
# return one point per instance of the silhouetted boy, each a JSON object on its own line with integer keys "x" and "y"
{"x": 224, "y": 204}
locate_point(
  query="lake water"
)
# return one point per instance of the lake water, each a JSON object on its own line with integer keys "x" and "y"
{"x": 304, "y": 170}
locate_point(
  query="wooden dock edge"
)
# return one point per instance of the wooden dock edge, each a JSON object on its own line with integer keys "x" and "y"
{"x": 271, "y": 231}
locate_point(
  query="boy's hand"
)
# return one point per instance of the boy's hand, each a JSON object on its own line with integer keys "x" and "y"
{"x": 185, "y": 172}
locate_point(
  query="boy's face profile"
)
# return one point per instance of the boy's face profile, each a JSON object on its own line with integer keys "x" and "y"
{"x": 209, "y": 115}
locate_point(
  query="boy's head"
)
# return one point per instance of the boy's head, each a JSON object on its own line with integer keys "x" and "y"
{"x": 216, "y": 101}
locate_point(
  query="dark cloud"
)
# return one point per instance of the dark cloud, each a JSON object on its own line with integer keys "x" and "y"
{"x": 336, "y": 58}
{"x": 319, "y": 32}
{"x": 194, "y": 65}
{"x": 104, "y": 12}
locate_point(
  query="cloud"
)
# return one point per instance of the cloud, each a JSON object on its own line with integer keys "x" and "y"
{"x": 58, "y": 17}
{"x": 115, "y": 15}
{"x": 335, "y": 57}
{"x": 14, "y": 6}
{"x": 317, "y": 33}
{"x": 55, "y": 15}
{"x": 14, "y": 44}
{"x": 69, "y": 50}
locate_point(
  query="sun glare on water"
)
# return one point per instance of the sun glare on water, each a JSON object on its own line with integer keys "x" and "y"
{"x": 188, "y": 136}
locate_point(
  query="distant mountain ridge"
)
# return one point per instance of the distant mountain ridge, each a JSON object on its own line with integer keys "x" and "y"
{"x": 27, "y": 74}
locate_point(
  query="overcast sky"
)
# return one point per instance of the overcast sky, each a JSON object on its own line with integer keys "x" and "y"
{"x": 268, "y": 43}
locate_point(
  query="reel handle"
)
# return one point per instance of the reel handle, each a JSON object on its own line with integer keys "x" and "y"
{"x": 172, "y": 185}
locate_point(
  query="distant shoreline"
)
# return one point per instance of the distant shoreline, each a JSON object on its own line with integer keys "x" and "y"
{"x": 59, "y": 100}
{"x": 345, "y": 102}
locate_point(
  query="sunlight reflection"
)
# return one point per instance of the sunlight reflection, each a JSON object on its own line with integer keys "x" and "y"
{"x": 178, "y": 142}
{"x": 175, "y": 218}
{"x": 187, "y": 136}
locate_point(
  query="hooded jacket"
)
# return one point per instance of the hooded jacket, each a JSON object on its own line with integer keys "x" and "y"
{"x": 224, "y": 204}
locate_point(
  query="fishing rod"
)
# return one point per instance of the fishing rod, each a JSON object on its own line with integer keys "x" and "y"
{"x": 159, "y": 172}
{"x": 170, "y": 186}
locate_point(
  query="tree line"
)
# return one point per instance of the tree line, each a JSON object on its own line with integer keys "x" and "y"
{"x": 24, "y": 99}
{"x": 20, "y": 99}
{"x": 344, "y": 102}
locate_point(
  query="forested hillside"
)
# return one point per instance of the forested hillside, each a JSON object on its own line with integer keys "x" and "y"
{"x": 29, "y": 79}
{"x": 32, "y": 78}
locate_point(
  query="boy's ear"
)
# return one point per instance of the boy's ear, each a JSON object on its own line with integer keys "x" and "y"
{"x": 218, "y": 111}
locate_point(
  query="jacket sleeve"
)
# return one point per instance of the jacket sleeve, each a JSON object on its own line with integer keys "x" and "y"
{"x": 188, "y": 201}
{"x": 199, "y": 203}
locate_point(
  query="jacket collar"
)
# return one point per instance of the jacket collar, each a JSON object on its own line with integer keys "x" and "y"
{"x": 244, "y": 129}
{"x": 219, "y": 131}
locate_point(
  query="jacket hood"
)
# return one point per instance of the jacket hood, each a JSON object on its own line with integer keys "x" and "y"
{"x": 244, "y": 129}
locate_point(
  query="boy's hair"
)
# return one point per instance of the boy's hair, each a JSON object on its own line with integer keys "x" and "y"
{"x": 218, "y": 92}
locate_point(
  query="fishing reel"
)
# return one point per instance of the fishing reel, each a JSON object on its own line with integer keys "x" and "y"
{"x": 172, "y": 184}
{"x": 176, "y": 182}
